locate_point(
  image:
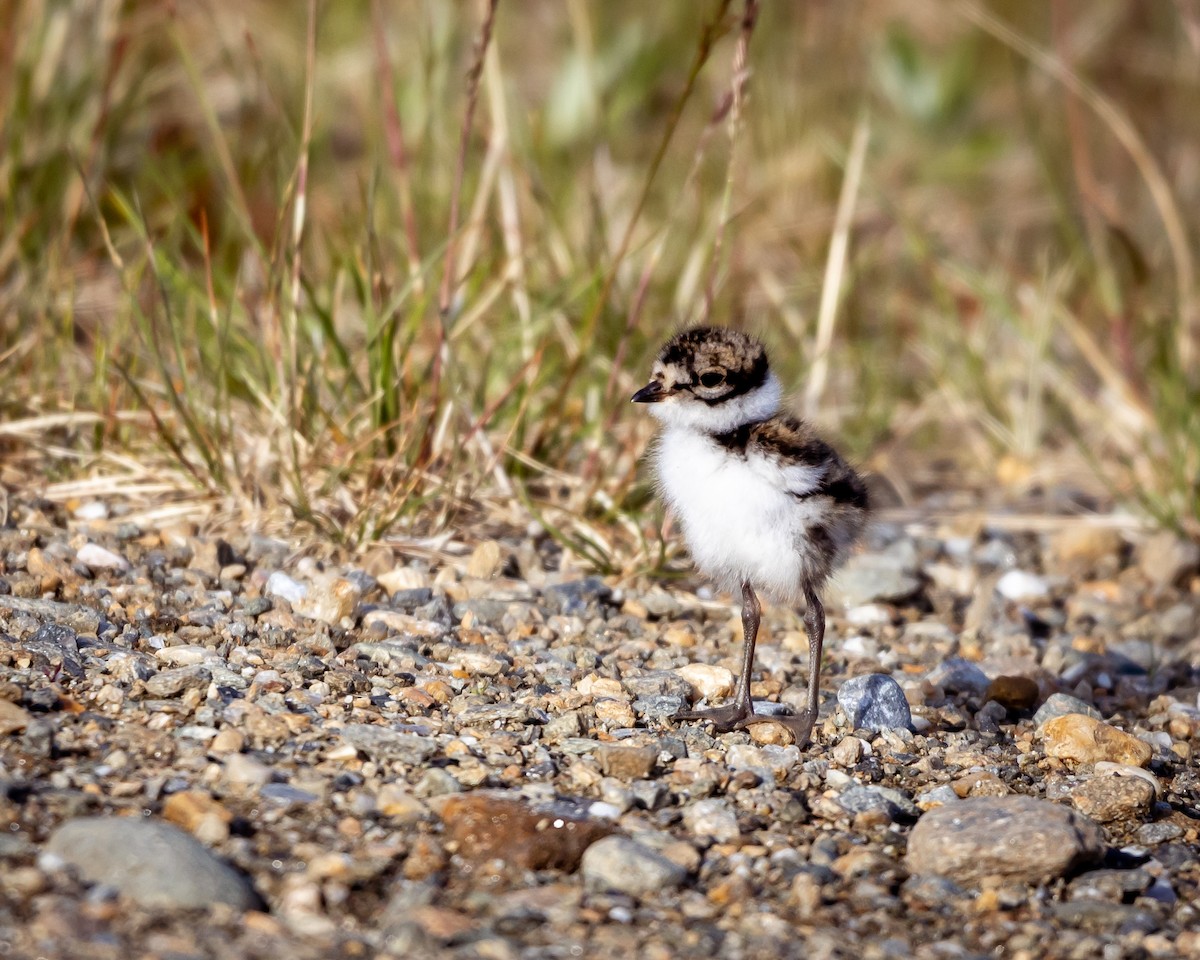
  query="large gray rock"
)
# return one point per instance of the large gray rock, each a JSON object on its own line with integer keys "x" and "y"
{"x": 625, "y": 866}
{"x": 1016, "y": 838}
{"x": 874, "y": 702}
{"x": 874, "y": 578}
{"x": 150, "y": 861}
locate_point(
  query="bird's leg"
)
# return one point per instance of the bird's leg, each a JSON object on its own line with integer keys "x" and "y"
{"x": 741, "y": 709}
{"x": 814, "y": 624}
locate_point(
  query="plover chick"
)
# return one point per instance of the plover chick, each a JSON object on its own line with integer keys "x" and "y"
{"x": 764, "y": 503}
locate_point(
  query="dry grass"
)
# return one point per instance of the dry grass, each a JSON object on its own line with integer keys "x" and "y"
{"x": 384, "y": 269}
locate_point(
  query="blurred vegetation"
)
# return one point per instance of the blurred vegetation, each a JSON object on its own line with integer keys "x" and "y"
{"x": 236, "y": 257}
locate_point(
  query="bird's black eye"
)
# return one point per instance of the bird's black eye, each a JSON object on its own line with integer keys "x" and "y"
{"x": 713, "y": 378}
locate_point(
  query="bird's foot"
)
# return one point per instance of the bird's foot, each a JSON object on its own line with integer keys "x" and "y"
{"x": 799, "y": 724}
{"x": 738, "y": 716}
{"x": 732, "y": 716}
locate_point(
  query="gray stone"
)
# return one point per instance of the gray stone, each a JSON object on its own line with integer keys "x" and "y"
{"x": 874, "y": 702}
{"x": 574, "y": 597}
{"x": 384, "y": 743}
{"x": 1152, "y": 834}
{"x": 713, "y": 820}
{"x": 59, "y": 647}
{"x": 1059, "y": 705}
{"x": 874, "y": 578}
{"x": 1166, "y": 559}
{"x": 956, "y": 675}
{"x": 625, "y": 866}
{"x": 1017, "y": 838}
{"x": 151, "y": 862}
{"x": 892, "y": 803}
{"x": 171, "y": 683}
{"x": 654, "y": 683}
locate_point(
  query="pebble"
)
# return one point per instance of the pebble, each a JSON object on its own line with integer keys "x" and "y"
{"x": 1020, "y": 585}
{"x": 1061, "y": 704}
{"x": 96, "y": 557}
{"x": 151, "y": 862}
{"x": 1015, "y": 838}
{"x": 1086, "y": 545}
{"x": 622, "y": 865}
{"x": 13, "y": 718}
{"x": 874, "y": 578}
{"x": 626, "y": 762}
{"x": 485, "y": 560}
{"x": 171, "y": 683}
{"x": 384, "y": 743}
{"x": 329, "y": 600}
{"x": 709, "y": 681}
{"x": 280, "y": 585}
{"x": 1165, "y": 559}
{"x": 956, "y": 675}
{"x": 874, "y": 702}
{"x": 1114, "y": 799}
{"x": 1076, "y": 738}
{"x": 712, "y": 819}
{"x": 1013, "y": 693}
{"x": 892, "y": 804}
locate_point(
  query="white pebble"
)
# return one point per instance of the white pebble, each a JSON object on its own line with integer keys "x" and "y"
{"x": 279, "y": 584}
{"x": 1019, "y": 585}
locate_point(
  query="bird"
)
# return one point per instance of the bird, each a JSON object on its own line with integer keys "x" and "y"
{"x": 765, "y": 505}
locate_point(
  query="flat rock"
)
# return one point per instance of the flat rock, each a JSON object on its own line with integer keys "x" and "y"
{"x": 956, "y": 675}
{"x": 874, "y": 578}
{"x": 625, "y": 866}
{"x": 95, "y": 557}
{"x": 1114, "y": 799}
{"x": 1076, "y": 739}
{"x": 1166, "y": 559}
{"x": 384, "y": 743}
{"x": 151, "y": 862}
{"x": 1016, "y": 838}
{"x": 626, "y": 762}
{"x": 712, "y": 819}
{"x": 1021, "y": 585}
{"x": 1013, "y": 693}
{"x": 1059, "y": 705}
{"x": 171, "y": 683}
{"x": 874, "y": 702}
{"x": 708, "y": 680}
{"x": 12, "y": 718}
{"x": 488, "y": 825}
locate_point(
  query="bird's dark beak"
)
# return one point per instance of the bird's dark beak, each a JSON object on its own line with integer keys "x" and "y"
{"x": 651, "y": 393}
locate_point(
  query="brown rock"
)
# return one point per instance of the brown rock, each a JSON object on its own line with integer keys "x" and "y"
{"x": 486, "y": 560}
{"x": 12, "y": 718}
{"x": 1015, "y": 838}
{"x": 1166, "y": 559}
{"x": 1076, "y": 738}
{"x": 486, "y": 825}
{"x": 625, "y": 762}
{"x": 1114, "y": 799}
{"x": 980, "y": 784}
{"x": 1084, "y": 546}
{"x": 1013, "y": 693}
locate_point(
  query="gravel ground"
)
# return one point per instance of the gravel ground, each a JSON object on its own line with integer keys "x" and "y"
{"x": 221, "y": 747}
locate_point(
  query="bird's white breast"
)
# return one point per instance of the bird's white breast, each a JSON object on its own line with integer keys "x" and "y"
{"x": 739, "y": 514}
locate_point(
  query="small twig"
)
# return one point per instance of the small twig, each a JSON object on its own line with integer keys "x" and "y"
{"x": 449, "y": 280}
{"x": 397, "y": 149}
{"x": 835, "y": 266}
{"x": 737, "y": 96}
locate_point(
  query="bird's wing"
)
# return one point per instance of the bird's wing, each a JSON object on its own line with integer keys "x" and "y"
{"x": 792, "y": 455}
